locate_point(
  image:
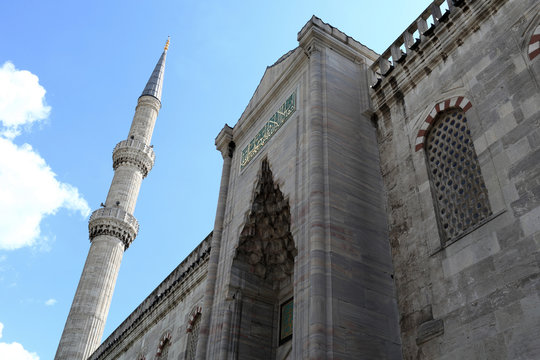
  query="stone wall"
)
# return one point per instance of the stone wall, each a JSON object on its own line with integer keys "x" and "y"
{"x": 346, "y": 179}
{"x": 475, "y": 296}
{"x": 325, "y": 162}
{"x": 164, "y": 314}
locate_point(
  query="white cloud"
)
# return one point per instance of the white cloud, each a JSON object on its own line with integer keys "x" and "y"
{"x": 22, "y": 99}
{"x": 29, "y": 189}
{"x": 50, "y": 302}
{"x": 15, "y": 351}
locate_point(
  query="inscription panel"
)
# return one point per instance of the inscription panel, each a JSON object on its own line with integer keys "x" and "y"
{"x": 268, "y": 130}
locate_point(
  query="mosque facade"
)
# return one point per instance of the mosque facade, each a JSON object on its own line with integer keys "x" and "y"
{"x": 371, "y": 206}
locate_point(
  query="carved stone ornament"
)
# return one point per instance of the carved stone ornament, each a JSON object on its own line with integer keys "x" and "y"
{"x": 113, "y": 222}
{"x": 136, "y": 153}
{"x": 266, "y": 243}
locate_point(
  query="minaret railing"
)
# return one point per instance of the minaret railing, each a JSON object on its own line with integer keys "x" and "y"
{"x": 135, "y": 152}
{"x": 114, "y": 222}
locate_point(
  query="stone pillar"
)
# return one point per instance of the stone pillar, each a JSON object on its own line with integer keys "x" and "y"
{"x": 225, "y": 145}
{"x": 112, "y": 229}
{"x": 318, "y": 307}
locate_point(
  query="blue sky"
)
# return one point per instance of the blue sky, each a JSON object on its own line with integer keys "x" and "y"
{"x": 70, "y": 76}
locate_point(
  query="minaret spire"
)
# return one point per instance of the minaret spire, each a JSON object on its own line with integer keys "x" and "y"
{"x": 155, "y": 83}
{"x": 113, "y": 228}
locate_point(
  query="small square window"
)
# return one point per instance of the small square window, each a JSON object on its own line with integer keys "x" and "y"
{"x": 286, "y": 321}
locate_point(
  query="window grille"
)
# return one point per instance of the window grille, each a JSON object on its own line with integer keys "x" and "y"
{"x": 458, "y": 187}
{"x": 165, "y": 350}
{"x": 193, "y": 337}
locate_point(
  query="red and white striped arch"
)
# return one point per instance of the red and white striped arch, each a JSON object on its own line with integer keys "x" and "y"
{"x": 164, "y": 340}
{"x": 534, "y": 44}
{"x": 196, "y": 312}
{"x": 460, "y": 102}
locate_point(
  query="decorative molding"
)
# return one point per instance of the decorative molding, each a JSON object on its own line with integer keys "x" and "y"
{"x": 149, "y": 100}
{"x": 266, "y": 243}
{"x": 136, "y": 153}
{"x": 113, "y": 222}
{"x": 224, "y": 140}
{"x": 313, "y": 48}
{"x": 317, "y": 34}
{"x": 460, "y": 102}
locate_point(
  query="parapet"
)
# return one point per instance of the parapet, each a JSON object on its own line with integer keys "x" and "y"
{"x": 419, "y": 32}
{"x": 440, "y": 28}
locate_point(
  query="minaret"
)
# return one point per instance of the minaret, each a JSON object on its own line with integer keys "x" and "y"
{"x": 113, "y": 227}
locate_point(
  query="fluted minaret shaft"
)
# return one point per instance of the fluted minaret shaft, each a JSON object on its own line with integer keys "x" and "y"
{"x": 113, "y": 228}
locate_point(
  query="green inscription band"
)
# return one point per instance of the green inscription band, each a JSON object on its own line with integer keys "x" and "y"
{"x": 268, "y": 130}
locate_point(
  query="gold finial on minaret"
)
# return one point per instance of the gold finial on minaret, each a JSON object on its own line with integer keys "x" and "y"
{"x": 167, "y": 43}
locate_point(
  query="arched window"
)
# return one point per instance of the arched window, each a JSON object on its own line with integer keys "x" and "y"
{"x": 534, "y": 44}
{"x": 193, "y": 337}
{"x": 458, "y": 188}
{"x": 165, "y": 350}
{"x": 163, "y": 347}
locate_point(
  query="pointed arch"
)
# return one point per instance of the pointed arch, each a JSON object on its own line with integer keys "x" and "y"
{"x": 266, "y": 243}
{"x": 533, "y": 49}
{"x": 163, "y": 347}
{"x": 263, "y": 273}
{"x": 459, "y": 193}
{"x": 197, "y": 311}
{"x": 194, "y": 323}
{"x": 459, "y": 102}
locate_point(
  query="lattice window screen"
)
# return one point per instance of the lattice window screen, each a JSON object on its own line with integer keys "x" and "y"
{"x": 458, "y": 187}
{"x": 193, "y": 337}
{"x": 165, "y": 351}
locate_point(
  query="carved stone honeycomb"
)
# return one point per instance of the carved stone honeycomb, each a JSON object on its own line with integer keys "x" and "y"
{"x": 136, "y": 153}
{"x": 266, "y": 242}
{"x": 113, "y": 222}
{"x": 458, "y": 187}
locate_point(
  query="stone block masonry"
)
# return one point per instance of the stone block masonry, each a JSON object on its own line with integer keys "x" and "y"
{"x": 465, "y": 298}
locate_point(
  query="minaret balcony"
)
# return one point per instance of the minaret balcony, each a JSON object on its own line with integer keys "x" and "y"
{"x": 136, "y": 153}
{"x": 113, "y": 221}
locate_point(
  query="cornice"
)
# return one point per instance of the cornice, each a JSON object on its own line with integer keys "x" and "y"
{"x": 223, "y": 141}
{"x": 443, "y": 38}
{"x": 317, "y": 31}
{"x": 314, "y": 35}
{"x": 149, "y": 100}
